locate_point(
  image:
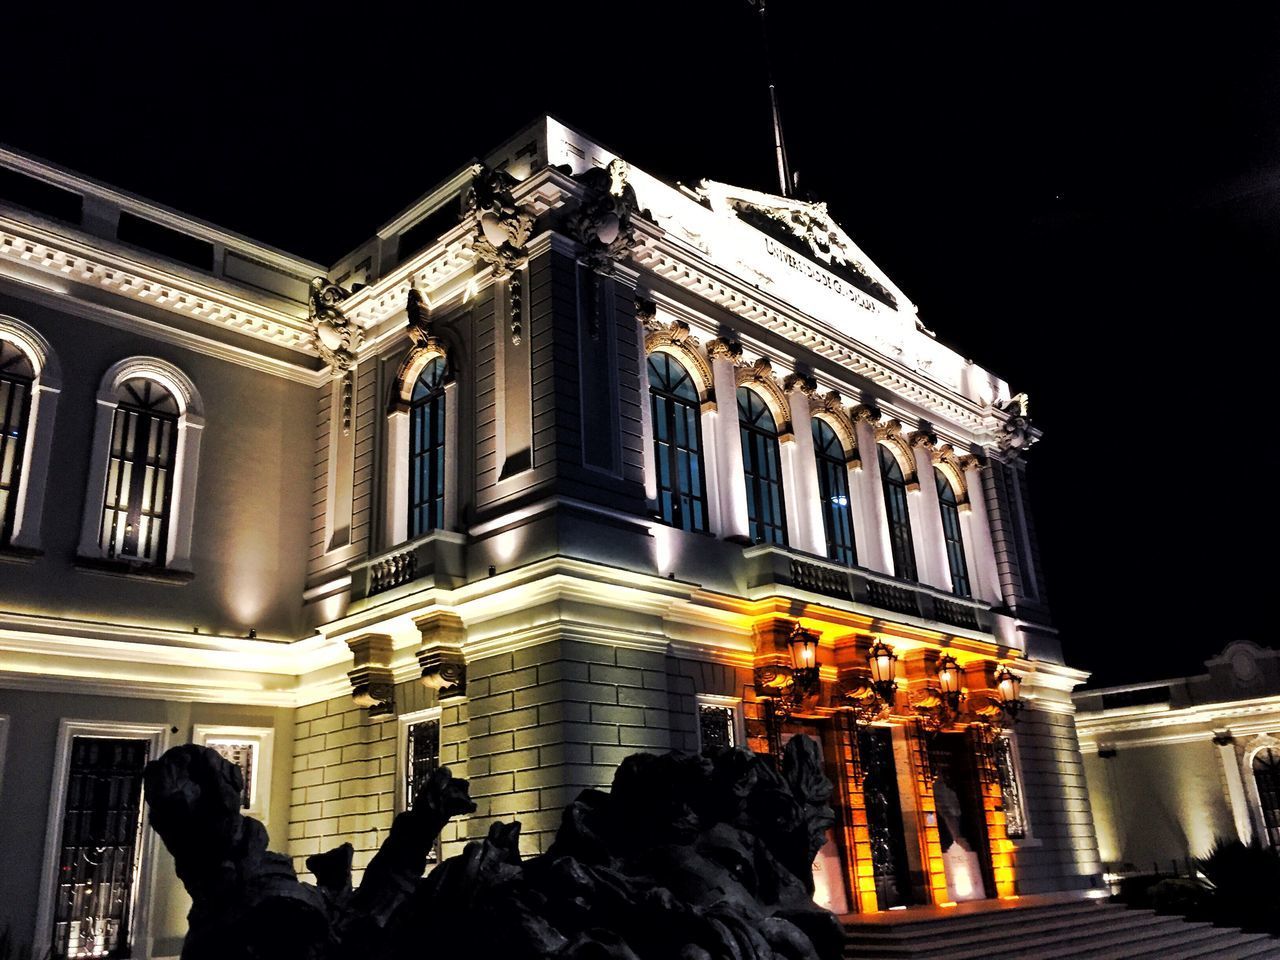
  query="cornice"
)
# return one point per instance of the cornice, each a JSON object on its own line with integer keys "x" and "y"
{"x": 121, "y": 320}
{"x": 1227, "y": 713}
{"x": 673, "y": 262}
{"x": 91, "y": 263}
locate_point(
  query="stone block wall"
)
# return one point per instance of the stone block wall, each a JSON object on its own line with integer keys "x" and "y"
{"x": 1063, "y": 850}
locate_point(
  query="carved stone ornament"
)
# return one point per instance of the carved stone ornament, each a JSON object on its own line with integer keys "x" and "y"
{"x": 602, "y": 222}
{"x": 864, "y": 413}
{"x": 647, "y": 313}
{"x": 502, "y": 230}
{"x": 922, "y": 438}
{"x": 418, "y": 313}
{"x": 372, "y": 682}
{"x": 802, "y": 382}
{"x": 440, "y": 658}
{"x": 335, "y": 337}
{"x": 1017, "y": 434}
{"x": 722, "y": 349}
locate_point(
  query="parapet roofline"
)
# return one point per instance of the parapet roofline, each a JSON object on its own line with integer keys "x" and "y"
{"x": 87, "y": 187}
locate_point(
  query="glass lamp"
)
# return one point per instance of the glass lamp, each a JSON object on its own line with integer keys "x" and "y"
{"x": 884, "y": 669}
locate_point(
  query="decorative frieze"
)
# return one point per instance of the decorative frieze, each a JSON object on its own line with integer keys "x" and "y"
{"x": 372, "y": 682}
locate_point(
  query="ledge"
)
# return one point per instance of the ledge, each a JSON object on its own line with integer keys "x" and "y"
{"x": 134, "y": 571}
{"x": 12, "y": 554}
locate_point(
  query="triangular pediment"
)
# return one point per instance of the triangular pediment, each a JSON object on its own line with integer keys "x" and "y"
{"x": 807, "y": 228}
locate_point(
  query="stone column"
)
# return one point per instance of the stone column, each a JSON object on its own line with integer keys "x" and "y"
{"x": 870, "y": 523}
{"x": 396, "y": 473}
{"x": 976, "y": 524}
{"x": 804, "y": 506}
{"x": 1235, "y": 784}
{"x": 926, "y": 530}
{"x": 731, "y": 477}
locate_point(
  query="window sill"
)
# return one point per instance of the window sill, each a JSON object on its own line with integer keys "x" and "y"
{"x": 134, "y": 571}
{"x": 12, "y": 554}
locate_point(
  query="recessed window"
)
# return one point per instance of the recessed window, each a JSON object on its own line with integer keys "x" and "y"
{"x": 762, "y": 467}
{"x": 716, "y": 726}
{"x": 677, "y": 444}
{"x": 250, "y": 749}
{"x": 135, "y": 510}
{"x": 895, "y": 505}
{"x": 833, "y": 489}
{"x": 98, "y": 850}
{"x": 16, "y": 378}
{"x": 426, "y": 450}
{"x": 951, "y": 535}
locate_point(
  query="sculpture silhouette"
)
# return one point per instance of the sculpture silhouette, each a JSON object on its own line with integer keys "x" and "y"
{"x": 689, "y": 857}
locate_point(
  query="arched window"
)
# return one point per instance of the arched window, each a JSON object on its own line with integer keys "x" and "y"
{"x": 16, "y": 378}
{"x": 140, "y": 496}
{"x": 950, "y": 508}
{"x": 677, "y": 444}
{"x": 895, "y": 507}
{"x": 30, "y": 384}
{"x": 135, "y": 509}
{"x": 426, "y": 450}
{"x": 833, "y": 487}
{"x": 1266, "y": 774}
{"x": 762, "y": 465}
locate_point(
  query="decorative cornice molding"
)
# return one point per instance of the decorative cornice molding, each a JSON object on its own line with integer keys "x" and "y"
{"x": 50, "y": 253}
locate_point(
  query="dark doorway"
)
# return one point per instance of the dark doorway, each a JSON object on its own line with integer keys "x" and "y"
{"x": 958, "y": 798}
{"x": 884, "y": 818}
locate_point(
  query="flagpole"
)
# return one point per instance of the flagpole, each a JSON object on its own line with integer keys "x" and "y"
{"x": 779, "y": 146}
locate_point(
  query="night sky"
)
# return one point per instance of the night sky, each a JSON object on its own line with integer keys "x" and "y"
{"x": 1082, "y": 197}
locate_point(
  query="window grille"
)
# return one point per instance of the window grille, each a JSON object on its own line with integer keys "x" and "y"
{"x": 677, "y": 444}
{"x": 833, "y": 488}
{"x": 950, "y": 508}
{"x": 99, "y": 849}
{"x": 422, "y": 757}
{"x": 135, "y": 512}
{"x": 715, "y": 723}
{"x": 426, "y": 451}
{"x": 895, "y": 504}
{"x": 16, "y": 377}
{"x": 763, "y": 469}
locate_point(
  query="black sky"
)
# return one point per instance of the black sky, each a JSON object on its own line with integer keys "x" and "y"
{"x": 1084, "y": 197}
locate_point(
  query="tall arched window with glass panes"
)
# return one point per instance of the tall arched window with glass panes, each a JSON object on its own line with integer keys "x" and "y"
{"x": 16, "y": 377}
{"x": 833, "y": 490}
{"x": 951, "y": 535}
{"x": 139, "y": 491}
{"x": 677, "y": 444}
{"x": 895, "y": 506}
{"x": 762, "y": 466}
{"x": 426, "y": 450}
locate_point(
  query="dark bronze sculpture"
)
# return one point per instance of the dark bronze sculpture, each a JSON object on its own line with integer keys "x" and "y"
{"x": 686, "y": 858}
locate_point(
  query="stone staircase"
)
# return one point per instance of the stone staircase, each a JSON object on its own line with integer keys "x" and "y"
{"x": 1075, "y": 929}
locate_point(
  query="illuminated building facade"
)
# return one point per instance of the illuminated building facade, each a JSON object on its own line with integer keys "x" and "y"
{"x": 563, "y": 464}
{"x": 1207, "y": 746}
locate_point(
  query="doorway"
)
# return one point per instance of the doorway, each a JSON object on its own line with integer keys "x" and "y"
{"x": 962, "y": 825}
{"x": 885, "y": 828}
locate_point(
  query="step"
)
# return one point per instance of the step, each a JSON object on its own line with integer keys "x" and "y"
{"x": 1254, "y": 946}
{"x": 1187, "y": 936}
{"x": 1223, "y": 938}
{"x": 890, "y": 942}
{"x": 910, "y": 927}
{"x": 1096, "y": 934}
